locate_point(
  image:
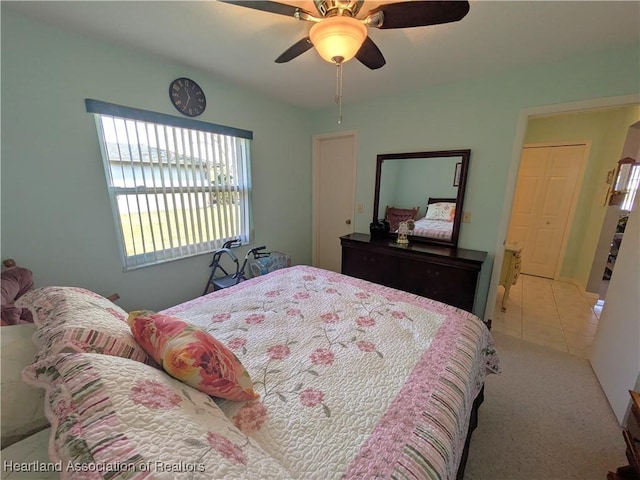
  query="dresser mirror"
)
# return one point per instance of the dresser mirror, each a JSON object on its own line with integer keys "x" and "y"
{"x": 427, "y": 187}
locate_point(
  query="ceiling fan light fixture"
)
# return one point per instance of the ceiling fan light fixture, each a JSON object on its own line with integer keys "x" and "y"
{"x": 338, "y": 37}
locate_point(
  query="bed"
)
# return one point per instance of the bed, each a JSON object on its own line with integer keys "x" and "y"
{"x": 353, "y": 380}
{"x": 438, "y": 220}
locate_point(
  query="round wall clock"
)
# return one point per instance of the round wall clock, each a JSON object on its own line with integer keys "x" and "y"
{"x": 187, "y": 96}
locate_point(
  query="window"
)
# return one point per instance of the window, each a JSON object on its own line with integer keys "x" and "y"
{"x": 631, "y": 182}
{"x": 178, "y": 187}
{"x": 627, "y": 182}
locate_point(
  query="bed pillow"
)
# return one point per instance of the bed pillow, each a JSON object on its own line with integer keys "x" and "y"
{"x": 120, "y": 414}
{"x": 71, "y": 319}
{"x": 191, "y": 355}
{"x": 441, "y": 211}
{"x": 396, "y": 215}
{"x": 22, "y": 405}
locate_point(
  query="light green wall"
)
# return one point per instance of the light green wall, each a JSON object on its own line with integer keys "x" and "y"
{"x": 482, "y": 115}
{"x": 606, "y": 130}
{"x": 55, "y": 211}
{"x": 56, "y": 217}
{"x": 418, "y": 179}
{"x": 388, "y": 187}
{"x": 408, "y": 183}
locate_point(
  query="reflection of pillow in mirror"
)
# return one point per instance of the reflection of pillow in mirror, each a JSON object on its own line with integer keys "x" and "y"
{"x": 441, "y": 211}
{"x": 396, "y": 215}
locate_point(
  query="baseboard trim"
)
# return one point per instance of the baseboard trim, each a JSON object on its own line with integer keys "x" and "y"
{"x": 579, "y": 286}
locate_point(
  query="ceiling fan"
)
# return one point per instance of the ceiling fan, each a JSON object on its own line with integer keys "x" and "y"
{"x": 338, "y": 35}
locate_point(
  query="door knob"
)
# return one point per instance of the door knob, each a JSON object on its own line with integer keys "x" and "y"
{"x": 348, "y": 221}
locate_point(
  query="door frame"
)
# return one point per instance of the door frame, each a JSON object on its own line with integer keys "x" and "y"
{"x": 512, "y": 176}
{"x": 315, "y": 207}
{"x": 574, "y": 200}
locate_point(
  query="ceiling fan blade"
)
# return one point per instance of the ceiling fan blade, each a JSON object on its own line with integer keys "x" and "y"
{"x": 266, "y": 6}
{"x": 295, "y": 50}
{"x": 420, "y": 13}
{"x": 370, "y": 55}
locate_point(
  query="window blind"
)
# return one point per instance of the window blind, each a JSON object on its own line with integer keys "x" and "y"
{"x": 178, "y": 187}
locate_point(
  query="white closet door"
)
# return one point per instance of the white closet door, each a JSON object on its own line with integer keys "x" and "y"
{"x": 545, "y": 192}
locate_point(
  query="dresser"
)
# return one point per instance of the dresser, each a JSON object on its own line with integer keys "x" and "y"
{"x": 510, "y": 269}
{"x": 449, "y": 275}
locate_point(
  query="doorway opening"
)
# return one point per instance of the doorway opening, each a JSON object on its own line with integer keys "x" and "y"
{"x": 581, "y": 257}
{"x": 623, "y": 184}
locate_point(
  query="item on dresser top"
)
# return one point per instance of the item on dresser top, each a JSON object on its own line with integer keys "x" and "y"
{"x": 377, "y": 229}
{"x": 403, "y": 231}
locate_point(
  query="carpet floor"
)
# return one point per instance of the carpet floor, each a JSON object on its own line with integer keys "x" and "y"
{"x": 544, "y": 418}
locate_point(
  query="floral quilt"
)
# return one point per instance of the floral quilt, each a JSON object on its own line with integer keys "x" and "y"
{"x": 356, "y": 380}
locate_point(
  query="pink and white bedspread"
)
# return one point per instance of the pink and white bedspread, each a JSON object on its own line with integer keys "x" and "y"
{"x": 439, "y": 229}
{"x": 356, "y": 380}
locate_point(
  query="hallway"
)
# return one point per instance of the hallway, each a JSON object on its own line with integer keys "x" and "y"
{"x": 548, "y": 312}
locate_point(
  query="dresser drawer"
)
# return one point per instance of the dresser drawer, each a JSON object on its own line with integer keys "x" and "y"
{"x": 368, "y": 265}
{"x": 444, "y": 283}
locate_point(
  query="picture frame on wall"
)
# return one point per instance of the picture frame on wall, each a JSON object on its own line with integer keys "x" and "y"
{"x": 456, "y": 174}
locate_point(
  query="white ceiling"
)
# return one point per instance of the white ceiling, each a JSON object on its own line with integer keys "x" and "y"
{"x": 240, "y": 44}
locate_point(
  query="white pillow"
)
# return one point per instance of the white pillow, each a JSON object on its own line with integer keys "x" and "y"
{"x": 22, "y": 405}
{"x": 32, "y": 449}
{"x": 441, "y": 211}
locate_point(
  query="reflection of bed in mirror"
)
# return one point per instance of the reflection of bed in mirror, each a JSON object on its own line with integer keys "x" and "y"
{"x": 405, "y": 180}
{"x": 438, "y": 220}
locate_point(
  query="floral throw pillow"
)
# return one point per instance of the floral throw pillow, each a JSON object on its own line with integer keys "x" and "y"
{"x": 441, "y": 211}
{"x": 191, "y": 355}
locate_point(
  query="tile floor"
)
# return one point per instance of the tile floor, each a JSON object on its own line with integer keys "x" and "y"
{"x": 548, "y": 312}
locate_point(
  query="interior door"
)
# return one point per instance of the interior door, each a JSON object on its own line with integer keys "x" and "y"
{"x": 545, "y": 192}
{"x": 334, "y": 174}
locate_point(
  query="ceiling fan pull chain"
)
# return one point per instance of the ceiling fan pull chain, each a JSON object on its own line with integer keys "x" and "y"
{"x": 339, "y": 90}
